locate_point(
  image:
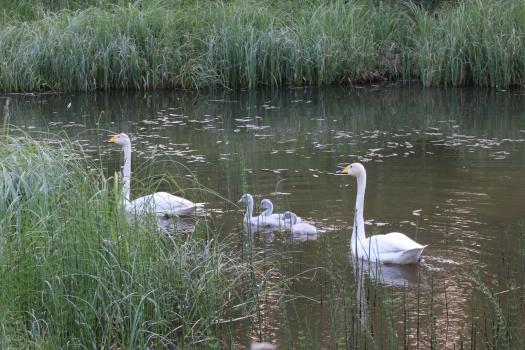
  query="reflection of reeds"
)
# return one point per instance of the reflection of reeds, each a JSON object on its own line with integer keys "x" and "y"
{"x": 502, "y": 324}
{"x": 73, "y": 270}
{"x": 7, "y": 117}
{"x": 360, "y": 308}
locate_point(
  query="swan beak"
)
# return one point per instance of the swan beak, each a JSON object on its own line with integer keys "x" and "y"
{"x": 113, "y": 139}
{"x": 346, "y": 170}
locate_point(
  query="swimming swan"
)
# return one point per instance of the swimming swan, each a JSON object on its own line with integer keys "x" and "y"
{"x": 259, "y": 221}
{"x": 298, "y": 227}
{"x": 392, "y": 248}
{"x": 276, "y": 219}
{"x": 160, "y": 203}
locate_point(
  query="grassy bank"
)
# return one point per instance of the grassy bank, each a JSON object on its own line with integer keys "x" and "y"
{"x": 74, "y": 273}
{"x": 192, "y": 44}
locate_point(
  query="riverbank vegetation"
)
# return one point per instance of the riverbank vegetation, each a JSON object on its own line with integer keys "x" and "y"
{"x": 151, "y": 44}
{"x": 74, "y": 273}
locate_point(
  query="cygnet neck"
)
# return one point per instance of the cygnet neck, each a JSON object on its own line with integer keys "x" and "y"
{"x": 269, "y": 208}
{"x": 249, "y": 207}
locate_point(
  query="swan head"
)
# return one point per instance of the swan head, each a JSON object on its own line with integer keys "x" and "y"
{"x": 266, "y": 204}
{"x": 355, "y": 170}
{"x": 246, "y": 199}
{"x": 289, "y": 216}
{"x": 120, "y": 139}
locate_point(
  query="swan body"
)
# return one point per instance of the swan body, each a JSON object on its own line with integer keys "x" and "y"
{"x": 159, "y": 203}
{"x": 298, "y": 228}
{"x": 391, "y": 248}
{"x": 162, "y": 204}
{"x": 259, "y": 221}
{"x": 272, "y": 218}
{"x": 275, "y": 219}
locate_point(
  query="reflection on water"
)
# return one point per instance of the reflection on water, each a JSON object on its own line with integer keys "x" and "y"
{"x": 444, "y": 167}
{"x": 267, "y": 233}
{"x": 302, "y": 237}
{"x": 176, "y": 225}
{"x": 388, "y": 274}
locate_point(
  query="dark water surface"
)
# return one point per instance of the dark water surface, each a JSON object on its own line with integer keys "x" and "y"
{"x": 444, "y": 166}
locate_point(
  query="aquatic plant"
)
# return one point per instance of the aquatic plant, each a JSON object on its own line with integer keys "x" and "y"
{"x": 75, "y": 273}
{"x": 472, "y": 42}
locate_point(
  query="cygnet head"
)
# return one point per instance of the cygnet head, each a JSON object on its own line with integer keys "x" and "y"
{"x": 246, "y": 198}
{"x": 289, "y": 216}
{"x": 266, "y": 204}
{"x": 120, "y": 139}
{"x": 355, "y": 169}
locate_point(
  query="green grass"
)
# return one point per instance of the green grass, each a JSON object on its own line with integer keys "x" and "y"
{"x": 474, "y": 42}
{"x": 156, "y": 44}
{"x": 74, "y": 273}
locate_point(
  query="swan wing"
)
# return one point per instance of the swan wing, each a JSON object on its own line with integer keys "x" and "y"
{"x": 392, "y": 248}
{"x": 280, "y": 217}
{"x": 274, "y": 217}
{"x": 392, "y": 242}
{"x": 272, "y": 220}
{"x": 268, "y": 220}
{"x": 277, "y": 219}
{"x": 162, "y": 203}
{"x": 408, "y": 256}
{"x": 168, "y": 204}
{"x": 304, "y": 228}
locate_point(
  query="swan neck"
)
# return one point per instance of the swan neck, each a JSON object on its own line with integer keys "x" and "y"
{"x": 269, "y": 210}
{"x": 126, "y": 172}
{"x": 249, "y": 208}
{"x": 359, "y": 222}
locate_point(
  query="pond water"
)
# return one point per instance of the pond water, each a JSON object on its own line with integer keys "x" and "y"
{"x": 444, "y": 166}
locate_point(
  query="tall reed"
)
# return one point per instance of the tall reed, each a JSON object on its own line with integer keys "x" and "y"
{"x": 75, "y": 273}
{"x": 162, "y": 44}
{"x": 473, "y": 42}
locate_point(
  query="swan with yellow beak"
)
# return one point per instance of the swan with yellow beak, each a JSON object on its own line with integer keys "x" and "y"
{"x": 159, "y": 203}
{"x": 391, "y": 248}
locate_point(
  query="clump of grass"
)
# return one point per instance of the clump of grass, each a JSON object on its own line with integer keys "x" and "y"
{"x": 74, "y": 272}
{"x": 163, "y": 44}
{"x": 472, "y": 42}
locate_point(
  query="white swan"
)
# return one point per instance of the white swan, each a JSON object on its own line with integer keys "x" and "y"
{"x": 273, "y": 219}
{"x": 159, "y": 203}
{"x": 298, "y": 228}
{"x": 259, "y": 221}
{"x": 393, "y": 248}
{"x": 267, "y": 205}
{"x": 276, "y": 219}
